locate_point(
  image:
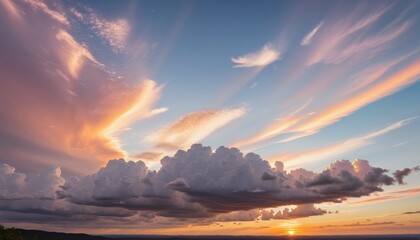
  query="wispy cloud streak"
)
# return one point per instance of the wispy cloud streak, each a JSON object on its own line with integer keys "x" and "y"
{"x": 40, "y": 5}
{"x": 115, "y": 32}
{"x": 267, "y": 55}
{"x": 82, "y": 103}
{"x": 389, "y": 196}
{"x": 141, "y": 107}
{"x": 330, "y": 151}
{"x": 305, "y": 124}
{"x": 395, "y": 82}
{"x": 192, "y": 128}
{"x": 308, "y": 38}
{"x": 279, "y": 127}
{"x": 345, "y": 37}
{"x": 73, "y": 54}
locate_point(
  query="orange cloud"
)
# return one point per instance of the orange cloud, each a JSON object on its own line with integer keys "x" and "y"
{"x": 386, "y": 87}
{"x": 407, "y": 193}
{"x": 150, "y": 156}
{"x": 332, "y": 45}
{"x": 11, "y": 8}
{"x": 321, "y": 153}
{"x": 306, "y": 124}
{"x": 372, "y": 74}
{"x": 279, "y": 127}
{"x": 58, "y": 121}
{"x": 379, "y": 199}
{"x": 56, "y": 15}
{"x": 192, "y": 128}
{"x": 73, "y": 54}
{"x": 140, "y": 108}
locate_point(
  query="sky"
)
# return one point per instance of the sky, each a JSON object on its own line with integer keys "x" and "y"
{"x": 210, "y": 117}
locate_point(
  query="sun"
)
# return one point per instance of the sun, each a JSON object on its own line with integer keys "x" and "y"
{"x": 291, "y": 232}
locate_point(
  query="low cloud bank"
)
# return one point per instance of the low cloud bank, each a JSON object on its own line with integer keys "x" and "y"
{"x": 193, "y": 184}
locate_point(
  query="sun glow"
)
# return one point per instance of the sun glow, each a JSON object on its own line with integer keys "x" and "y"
{"x": 291, "y": 232}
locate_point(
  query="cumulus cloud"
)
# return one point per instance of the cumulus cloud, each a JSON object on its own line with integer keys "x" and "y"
{"x": 238, "y": 216}
{"x": 15, "y": 185}
{"x": 301, "y": 211}
{"x": 33, "y": 198}
{"x": 198, "y": 185}
{"x": 267, "y": 55}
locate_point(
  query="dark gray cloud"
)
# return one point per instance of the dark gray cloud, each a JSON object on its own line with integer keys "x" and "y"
{"x": 411, "y": 212}
{"x": 268, "y": 176}
{"x": 359, "y": 224}
{"x": 400, "y": 174}
{"x": 206, "y": 183}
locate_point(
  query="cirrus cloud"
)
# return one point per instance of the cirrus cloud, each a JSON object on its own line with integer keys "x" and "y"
{"x": 308, "y": 38}
{"x": 81, "y": 103}
{"x": 189, "y": 129}
{"x": 115, "y": 32}
{"x": 267, "y": 55}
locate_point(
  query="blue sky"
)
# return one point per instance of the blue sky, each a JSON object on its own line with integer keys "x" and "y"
{"x": 198, "y": 67}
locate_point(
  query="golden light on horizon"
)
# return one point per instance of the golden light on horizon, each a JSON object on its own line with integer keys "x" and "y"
{"x": 291, "y": 232}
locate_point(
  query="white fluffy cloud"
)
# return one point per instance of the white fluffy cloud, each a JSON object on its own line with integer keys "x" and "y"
{"x": 304, "y": 210}
{"x": 267, "y": 55}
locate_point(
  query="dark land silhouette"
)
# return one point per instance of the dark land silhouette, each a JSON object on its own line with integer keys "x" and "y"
{"x": 23, "y": 234}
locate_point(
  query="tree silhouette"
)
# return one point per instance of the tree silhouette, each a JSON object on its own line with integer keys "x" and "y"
{"x": 9, "y": 233}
